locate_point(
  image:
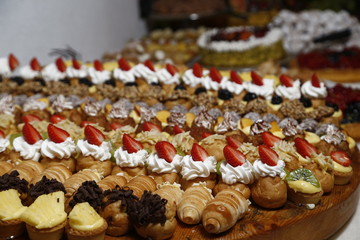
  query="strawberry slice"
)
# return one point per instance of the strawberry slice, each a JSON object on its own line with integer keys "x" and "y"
{"x": 30, "y": 118}
{"x": 197, "y": 70}
{"x": 57, "y": 118}
{"x": 115, "y": 125}
{"x": 205, "y": 135}
{"x": 171, "y": 69}
{"x": 165, "y": 150}
{"x": 98, "y": 66}
{"x": 30, "y": 134}
{"x": 76, "y": 64}
{"x": 233, "y": 156}
{"x": 235, "y": 77}
{"x": 215, "y": 75}
{"x": 85, "y": 123}
{"x": 34, "y": 64}
{"x": 149, "y": 126}
{"x": 123, "y": 64}
{"x": 269, "y": 139}
{"x": 93, "y": 135}
{"x": 256, "y": 79}
{"x": 286, "y": 80}
{"x": 60, "y": 65}
{"x": 304, "y": 148}
{"x": 233, "y": 142}
{"x": 268, "y": 156}
{"x": 149, "y": 64}
{"x": 2, "y": 134}
{"x": 198, "y": 153}
{"x": 13, "y": 62}
{"x": 178, "y": 129}
{"x": 341, "y": 158}
{"x": 56, "y": 134}
{"x": 315, "y": 81}
{"x": 130, "y": 144}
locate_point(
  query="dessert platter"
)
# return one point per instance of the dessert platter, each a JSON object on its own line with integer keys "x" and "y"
{"x": 93, "y": 151}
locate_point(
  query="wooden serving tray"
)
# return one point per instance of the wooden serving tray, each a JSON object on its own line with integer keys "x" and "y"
{"x": 291, "y": 221}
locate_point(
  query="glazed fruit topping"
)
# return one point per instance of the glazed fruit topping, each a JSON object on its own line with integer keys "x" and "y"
{"x": 60, "y": 65}
{"x": 171, "y": 69}
{"x": 233, "y": 156}
{"x": 249, "y": 96}
{"x": 57, "y": 118}
{"x": 178, "y": 129}
{"x": 149, "y": 126}
{"x": 303, "y": 174}
{"x": 198, "y": 153}
{"x": 235, "y": 77}
{"x": 286, "y": 80}
{"x": 35, "y": 65}
{"x": 205, "y": 134}
{"x": 130, "y": 144}
{"x": 276, "y": 100}
{"x": 124, "y": 65}
{"x": 76, "y": 64}
{"x": 29, "y": 118}
{"x": 225, "y": 94}
{"x": 256, "y": 79}
{"x": 165, "y": 150}
{"x": 315, "y": 80}
{"x": 94, "y": 135}
{"x": 85, "y": 123}
{"x": 269, "y": 139}
{"x": 13, "y": 62}
{"x": 2, "y": 134}
{"x": 56, "y": 134}
{"x": 98, "y": 66}
{"x": 215, "y": 75}
{"x": 341, "y": 158}
{"x": 30, "y": 134}
{"x": 197, "y": 70}
{"x": 268, "y": 156}
{"x": 233, "y": 142}
{"x": 304, "y": 148}
{"x": 149, "y": 64}
{"x": 115, "y": 125}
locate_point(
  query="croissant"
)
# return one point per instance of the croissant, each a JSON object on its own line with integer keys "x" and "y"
{"x": 221, "y": 213}
{"x": 5, "y": 167}
{"x": 192, "y": 204}
{"x": 210, "y": 181}
{"x": 141, "y": 183}
{"x": 28, "y": 169}
{"x": 67, "y": 162}
{"x": 111, "y": 181}
{"x": 75, "y": 181}
{"x": 59, "y": 172}
{"x": 243, "y": 188}
{"x": 165, "y": 177}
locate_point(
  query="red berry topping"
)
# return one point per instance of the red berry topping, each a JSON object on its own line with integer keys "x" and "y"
{"x": 149, "y": 64}
{"x": 60, "y": 65}
{"x": 98, "y": 66}
{"x": 123, "y": 64}
{"x": 115, "y": 125}
{"x": 57, "y": 118}
{"x": 178, "y": 129}
{"x": 233, "y": 156}
{"x": 215, "y": 75}
{"x": 149, "y": 126}
{"x": 286, "y": 80}
{"x": 85, "y": 123}
{"x": 256, "y": 79}
{"x": 269, "y": 139}
{"x": 76, "y": 64}
{"x": 197, "y": 70}
{"x": 235, "y": 77}
{"x": 341, "y": 158}
{"x": 205, "y": 135}
{"x": 30, "y": 134}
{"x": 315, "y": 80}
{"x": 30, "y": 118}
{"x": 2, "y": 134}
{"x": 130, "y": 144}
{"x": 171, "y": 69}
{"x": 268, "y": 156}
{"x": 233, "y": 142}
{"x": 94, "y": 135}
{"x": 35, "y": 65}
{"x": 165, "y": 150}
{"x": 13, "y": 62}
{"x": 56, "y": 134}
{"x": 198, "y": 153}
{"x": 304, "y": 148}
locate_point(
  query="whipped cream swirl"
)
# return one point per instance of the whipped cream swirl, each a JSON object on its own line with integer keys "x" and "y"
{"x": 243, "y": 173}
{"x": 190, "y": 79}
{"x": 98, "y": 77}
{"x": 4, "y": 143}
{"x": 231, "y": 86}
{"x": 62, "y": 150}
{"x": 52, "y": 73}
{"x": 193, "y": 169}
{"x": 124, "y": 76}
{"x": 27, "y": 72}
{"x": 27, "y": 151}
{"x": 60, "y": 104}
{"x": 142, "y": 71}
{"x": 266, "y": 90}
{"x": 308, "y": 90}
{"x": 101, "y": 152}
{"x": 4, "y": 67}
{"x": 290, "y": 93}
{"x": 263, "y": 170}
{"x": 160, "y": 165}
{"x": 33, "y": 104}
{"x": 210, "y": 84}
{"x": 72, "y": 72}
{"x": 166, "y": 77}
{"x": 125, "y": 159}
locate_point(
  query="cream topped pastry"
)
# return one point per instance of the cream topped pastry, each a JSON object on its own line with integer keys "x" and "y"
{"x": 134, "y": 159}
{"x": 169, "y": 75}
{"x": 8, "y": 65}
{"x": 333, "y": 135}
{"x": 101, "y": 152}
{"x": 124, "y": 72}
{"x": 314, "y": 88}
{"x": 259, "y": 86}
{"x": 194, "y": 76}
{"x": 31, "y": 71}
{"x": 28, "y": 145}
{"x": 97, "y": 73}
{"x": 147, "y": 72}
{"x": 76, "y": 70}
{"x": 231, "y": 86}
{"x": 54, "y": 71}
{"x": 289, "y": 89}
{"x": 269, "y": 164}
{"x": 60, "y": 150}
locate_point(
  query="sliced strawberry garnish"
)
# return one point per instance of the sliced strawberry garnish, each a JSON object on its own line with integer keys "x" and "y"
{"x": 115, "y": 125}
{"x": 30, "y": 118}
{"x": 233, "y": 156}
{"x": 30, "y": 134}
{"x": 233, "y": 142}
{"x": 341, "y": 158}
{"x": 165, "y": 150}
{"x": 149, "y": 64}
{"x": 215, "y": 75}
{"x": 315, "y": 81}
{"x": 268, "y": 156}
{"x": 269, "y": 139}
{"x": 256, "y": 79}
{"x": 178, "y": 129}
{"x": 60, "y": 65}
{"x": 56, "y": 134}
{"x": 286, "y": 80}
{"x": 123, "y": 64}
{"x": 198, "y": 153}
{"x": 35, "y": 65}
{"x": 171, "y": 69}
{"x": 205, "y": 135}
{"x": 304, "y": 148}
{"x": 197, "y": 70}
{"x": 94, "y": 135}
{"x": 76, "y": 64}
{"x": 130, "y": 144}
{"x": 2, "y": 134}
{"x": 235, "y": 77}
{"x": 85, "y": 123}
{"x": 98, "y": 66}
{"x": 149, "y": 126}
{"x": 57, "y": 118}
{"x": 13, "y": 62}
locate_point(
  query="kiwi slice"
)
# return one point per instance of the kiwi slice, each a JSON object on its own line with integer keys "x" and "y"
{"x": 303, "y": 174}
{"x": 13, "y": 136}
{"x": 218, "y": 167}
{"x": 180, "y": 152}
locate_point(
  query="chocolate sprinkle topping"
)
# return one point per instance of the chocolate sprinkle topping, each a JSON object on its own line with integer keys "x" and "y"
{"x": 89, "y": 192}
{"x": 45, "y": 186}
{"x": 125, "y": 195}
{"x": 12, "y": 181}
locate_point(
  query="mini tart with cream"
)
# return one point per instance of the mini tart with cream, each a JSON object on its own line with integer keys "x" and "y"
{"x": 303, "y": 187}
{"x": 342, "y": 167}
{"x": 85, "y": 223}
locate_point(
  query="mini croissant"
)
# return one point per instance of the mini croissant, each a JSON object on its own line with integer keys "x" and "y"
{"x": 75, "y": 181}
{"x": 59, "y": 172}
{"x": 141, "y": 183}
{"x": 111, "y": 181}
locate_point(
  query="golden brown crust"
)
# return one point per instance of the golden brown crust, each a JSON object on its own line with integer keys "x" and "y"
{"x": 342, "y": 178}
{"x": 165, "y": 177}
{"x": 240, "y": 187}
{"x": 70, "y": 163}
{"x": 141, "y": 183}
{"x": 215, "y": 148}
{"x": 75, "y": 181}
{"x": 129, "y": 172}
{"x": 5, "y": 167}
{"x": 89, "y": 162}
{"x": 111, "y": 181}
{"x": 28, "y": 169}
{"x": 269, "y": 192}
{"x": 11, "y": 228}
{"x": 55, "y": 171}
{"x": 47, "y": 233}
{"x": 117, "y": 219}
{"x": 209, "y": 181}
{"x": 304, "y": 198}
{"x": 96, "y": 234}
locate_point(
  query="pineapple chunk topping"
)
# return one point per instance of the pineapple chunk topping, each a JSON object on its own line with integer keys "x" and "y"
{"x": 83, "y": 217}
{"x": 10, "y": 205}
